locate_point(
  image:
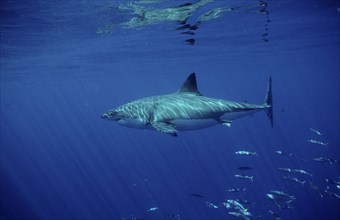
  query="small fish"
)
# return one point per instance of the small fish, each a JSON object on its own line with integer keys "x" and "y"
{"x": 273, "y": 198}
{"x": 195, "y": 26}
{"x": 197, "y": 195}
{"x": 334, "y": 195}
{"x": 244, "y": 177}
{"x": 237, "y": 190}
{"x": 276, "y": 216}
{"x": 183, "y": 27}
{"x": 244, "y": 201}
{"x": 190, "y": 41}
{"x": 210, "y": 205}
{"x": 244, "y": 168}
{"x": 188, "y": 32}
{"x": 233, "y": 204}
{"x": 325, "y": 159}
{"x": 279, "y": 152}
{"x": 242, "y": 152}
{"x": 332, "y": 181}
{"x": 315, "y": 131}
{"x": 288, "y": 170}
{"x": 318, "y": 142}
{"x": 281, "y": 193}
{"x": 282, "y": 202}
{"x": 302, "y": 172}
{"x": 313, "y": 186}
{"x": 262, "y": 3}
{"x": 152, "y": 209}
{"x": 239, "y": 215}
{"x": 293, "y": 179}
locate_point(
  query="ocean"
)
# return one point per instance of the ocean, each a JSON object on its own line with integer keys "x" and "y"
{"x": 64, "y": 63}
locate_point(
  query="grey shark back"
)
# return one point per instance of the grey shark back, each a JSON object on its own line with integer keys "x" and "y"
{"x": 186, "y": 109}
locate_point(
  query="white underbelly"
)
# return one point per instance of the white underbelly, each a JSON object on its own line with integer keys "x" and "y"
{"x": 193, "y": 124}
{"x": 179, "y": 124}
{"x": 134, "y": 123}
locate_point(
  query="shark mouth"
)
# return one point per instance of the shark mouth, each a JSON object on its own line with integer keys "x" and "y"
{"x": 109, "y": 117}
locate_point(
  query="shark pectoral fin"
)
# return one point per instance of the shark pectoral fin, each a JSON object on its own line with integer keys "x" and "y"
{"x": 226, "y": 123}
{"x": 164, "y": 127}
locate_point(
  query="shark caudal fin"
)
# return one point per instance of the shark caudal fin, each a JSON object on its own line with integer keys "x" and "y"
{"x": 268, "y": 101}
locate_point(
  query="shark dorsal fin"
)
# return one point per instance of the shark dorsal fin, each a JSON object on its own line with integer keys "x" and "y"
{"x": 190, "y": 85}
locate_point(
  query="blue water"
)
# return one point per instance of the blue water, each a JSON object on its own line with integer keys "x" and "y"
{"x": 60, "y": 160}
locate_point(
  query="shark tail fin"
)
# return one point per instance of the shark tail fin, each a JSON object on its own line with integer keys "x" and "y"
{"x": 268, "y": 101}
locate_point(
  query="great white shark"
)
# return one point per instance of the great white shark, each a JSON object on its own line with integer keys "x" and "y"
{"x": 186, "y": 109}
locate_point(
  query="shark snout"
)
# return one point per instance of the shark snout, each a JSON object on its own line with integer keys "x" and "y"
{"x": 110, "y": 116}
{"x": 105, "y": 116}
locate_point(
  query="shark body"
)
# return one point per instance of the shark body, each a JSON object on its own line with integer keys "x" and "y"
{"x": 186, "y": 109}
